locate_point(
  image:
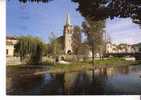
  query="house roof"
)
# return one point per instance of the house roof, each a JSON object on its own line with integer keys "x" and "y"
{"x": 11, "y": 37}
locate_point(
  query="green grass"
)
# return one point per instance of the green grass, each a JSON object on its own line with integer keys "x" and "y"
{"x": 69, "y": 67}
{"x": 111, "y": 61}
{"x": 84, "y": 65}
{"x": 77, "y": 66}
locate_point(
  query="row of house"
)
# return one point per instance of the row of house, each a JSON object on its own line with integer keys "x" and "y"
{"x": 121, "y": 48}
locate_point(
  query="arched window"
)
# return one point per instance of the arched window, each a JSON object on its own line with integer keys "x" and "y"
{"x": 69, "y": 52}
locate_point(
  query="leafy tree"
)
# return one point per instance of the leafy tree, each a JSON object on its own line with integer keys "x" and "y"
{"x": 138, "y": 45}
{"x": 55, "y": 45}
{"x": 30, "y": 48}
{"x": 94, "y": 32}
{"x": 102, "y": 9}
{"x": 76, "y": 39}
{"x": 45, "y": 49}
{"x": 83, "y": 50}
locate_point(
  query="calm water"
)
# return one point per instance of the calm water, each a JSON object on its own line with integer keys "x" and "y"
{"x": 110, "y": 80}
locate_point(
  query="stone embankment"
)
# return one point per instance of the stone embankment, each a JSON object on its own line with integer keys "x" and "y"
{"x": 13, "y": 60}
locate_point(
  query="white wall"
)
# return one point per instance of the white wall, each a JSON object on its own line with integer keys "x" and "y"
{"x": 10, "y": 49}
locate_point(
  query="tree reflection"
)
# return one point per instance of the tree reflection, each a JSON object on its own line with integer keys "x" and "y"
{"x": 86, "y": 82}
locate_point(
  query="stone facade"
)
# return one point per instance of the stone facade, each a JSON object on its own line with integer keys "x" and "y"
{"x": 12, "y": 60}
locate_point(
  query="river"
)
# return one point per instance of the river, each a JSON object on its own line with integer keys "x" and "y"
{"x": 100, "y": 81}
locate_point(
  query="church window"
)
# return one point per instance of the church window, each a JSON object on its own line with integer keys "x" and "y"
{"x": 69, "y": 52}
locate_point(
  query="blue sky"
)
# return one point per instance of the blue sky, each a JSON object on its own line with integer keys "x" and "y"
{"x": 42, "y": 19}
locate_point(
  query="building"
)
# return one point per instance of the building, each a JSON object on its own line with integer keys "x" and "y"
{"x": 10, "y": 42}
{"x": 121, "y": 48}
{"x": 111, "y": 48}
{"x": 68, "y": 32}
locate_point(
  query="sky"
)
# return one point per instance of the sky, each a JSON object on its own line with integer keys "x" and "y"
{"x": 42, "y": 19}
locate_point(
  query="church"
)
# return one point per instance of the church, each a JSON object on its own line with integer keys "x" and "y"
{"x": 68, "y": 34}
{"x": 66, "y": 40}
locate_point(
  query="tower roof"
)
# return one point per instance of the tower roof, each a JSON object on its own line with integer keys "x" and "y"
{"x": 68, "y": 22}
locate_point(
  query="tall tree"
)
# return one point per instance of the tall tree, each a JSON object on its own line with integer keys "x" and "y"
{"x": 55, "y": 45}
{"x": 76, "y": 38}
{"x": 83, "y": 51}
{"x": 94, "y": 32}
{"x": 102, "y": 9}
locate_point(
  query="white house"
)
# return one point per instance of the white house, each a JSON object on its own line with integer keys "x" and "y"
{"x": 10, "y": 42}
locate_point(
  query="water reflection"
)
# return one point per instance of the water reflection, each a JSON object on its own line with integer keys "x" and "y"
{"x": 101, "y": 80}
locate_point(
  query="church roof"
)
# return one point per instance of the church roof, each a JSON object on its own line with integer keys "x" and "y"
{"x": 68, "y": 21}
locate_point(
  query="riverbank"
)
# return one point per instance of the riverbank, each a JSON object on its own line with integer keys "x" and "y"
{"x": 87, "y": 65}
{"x": 77, "y": 66}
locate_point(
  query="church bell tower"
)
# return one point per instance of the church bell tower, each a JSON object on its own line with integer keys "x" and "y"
{"x": 68, "y": 32}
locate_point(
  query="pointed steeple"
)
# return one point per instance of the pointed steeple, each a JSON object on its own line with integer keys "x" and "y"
{"x": 68, "y": 22}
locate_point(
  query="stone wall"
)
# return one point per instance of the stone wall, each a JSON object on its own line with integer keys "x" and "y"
{"x": 10, "y": 60}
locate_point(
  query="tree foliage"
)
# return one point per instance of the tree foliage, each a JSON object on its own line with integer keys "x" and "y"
{"x": 102, "y": 9}
{"x": 94, "y": 32}
{"x": 55, "y": 45}
{"x": 84, "y": 50}
{"x": 76, "y": 39}
{"x": 138, "y": 46}
{"x": 30, "y": 48}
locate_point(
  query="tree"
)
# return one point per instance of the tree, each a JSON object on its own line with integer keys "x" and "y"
{"x": 102, "y": 9}
{"x": 76, "y": 39}
{"x": 83, "y": 51}
{"x": 45, "y": 49}
{"x": 138, "y": 46}
{"x": 30, "y": 48}
{"x": 56, "y": 47}
{"x": 94, "y": 32}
